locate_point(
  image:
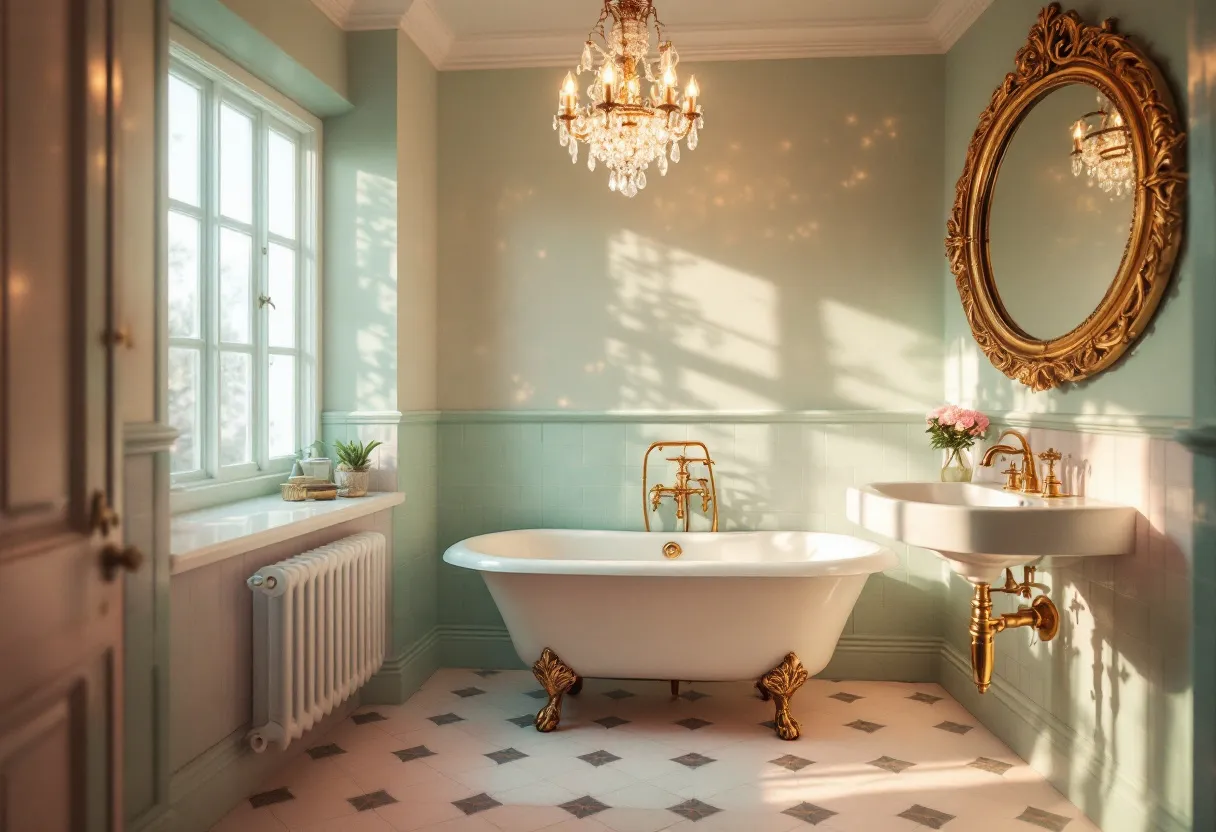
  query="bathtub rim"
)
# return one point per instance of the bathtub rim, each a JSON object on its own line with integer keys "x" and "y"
{"x": 879, "y": 558}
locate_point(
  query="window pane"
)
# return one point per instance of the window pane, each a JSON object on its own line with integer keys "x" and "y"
{"x": 282, "y": 405}
{"x": 236, "y": 164}
{"x": 236, "y": 279}
{"x": 236, "y": 408}
{"x": 184, "y": 406}
{"x": 185, "y": 118}
{"x": 183, "y": 276}
{"x": 281, "y": 161}
{"x": 283, "y": 295}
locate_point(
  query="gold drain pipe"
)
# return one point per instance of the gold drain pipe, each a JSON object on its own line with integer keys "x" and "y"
{"x": 1041, "y": 614}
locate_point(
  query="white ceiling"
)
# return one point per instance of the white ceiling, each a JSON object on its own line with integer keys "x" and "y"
{"x": 488, "y": 34}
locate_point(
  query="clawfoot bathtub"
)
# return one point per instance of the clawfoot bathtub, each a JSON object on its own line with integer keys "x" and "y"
{"x": 759, "y": 606}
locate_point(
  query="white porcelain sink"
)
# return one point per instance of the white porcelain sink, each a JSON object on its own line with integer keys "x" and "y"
{"x": 981, "y": 529}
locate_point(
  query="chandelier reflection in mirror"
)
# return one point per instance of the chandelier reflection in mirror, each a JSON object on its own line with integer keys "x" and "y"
{"x": 1101, "y": 149}
{"x": 622, "y": 128}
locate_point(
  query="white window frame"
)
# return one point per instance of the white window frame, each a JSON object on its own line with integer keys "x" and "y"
{"x": 222, "y": 82}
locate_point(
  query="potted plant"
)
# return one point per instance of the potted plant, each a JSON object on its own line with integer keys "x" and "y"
{"x": 954, "y": 430}
{"x": 354, "y": 466}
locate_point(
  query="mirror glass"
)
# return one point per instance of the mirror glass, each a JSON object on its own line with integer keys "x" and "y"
{"x": 1061, "y": 211}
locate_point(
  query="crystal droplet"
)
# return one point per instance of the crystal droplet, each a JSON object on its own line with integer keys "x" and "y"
{"x": 675, "y": 152}
{"x": 574, "y": 151}
{"x": 555, "y": 122}
{"x": 693, "y": 139}
{"x": 590, "y": 161}
{"x": 631, "y": 189}
{"x": 588, "y": 60}
{"x": 642, "y": 181}
{"x": 663, "y": 164}
{"x": 612, "y": 181}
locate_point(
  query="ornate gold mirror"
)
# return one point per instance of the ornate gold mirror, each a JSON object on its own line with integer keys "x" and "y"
{"x": 1068, "y": 215}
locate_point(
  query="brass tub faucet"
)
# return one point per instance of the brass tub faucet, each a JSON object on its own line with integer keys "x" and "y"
{"x": 683, "y": 491}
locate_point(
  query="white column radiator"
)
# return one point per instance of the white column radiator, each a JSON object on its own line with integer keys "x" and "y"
{"x": 318, "y": 634}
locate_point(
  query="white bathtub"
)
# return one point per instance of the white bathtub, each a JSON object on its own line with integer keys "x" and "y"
{"x": 729, "y": 608}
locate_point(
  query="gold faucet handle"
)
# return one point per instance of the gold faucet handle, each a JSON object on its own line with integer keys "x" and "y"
{"x": 1013, "y": 477}
{"x": 656, "y": 497}
{"x": 1052, "y": 487}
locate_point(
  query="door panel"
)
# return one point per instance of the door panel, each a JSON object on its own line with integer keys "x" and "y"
{"x": 60, "y": 618}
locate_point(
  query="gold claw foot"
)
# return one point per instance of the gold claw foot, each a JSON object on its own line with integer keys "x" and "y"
{"x": 557, "y": 679}
{"x": 781, "y": 683}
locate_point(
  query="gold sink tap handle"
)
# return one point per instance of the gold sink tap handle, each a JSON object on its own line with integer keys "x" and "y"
{"x": 1030, "y": 472}
{"x": 1052, "y": 487}
{"x": 1013, "y": 477}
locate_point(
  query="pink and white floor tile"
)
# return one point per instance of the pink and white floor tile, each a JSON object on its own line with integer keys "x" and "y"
{"x": 462, "y": 756}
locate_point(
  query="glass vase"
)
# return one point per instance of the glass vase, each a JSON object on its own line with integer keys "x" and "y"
{"x": 958, "y": 466}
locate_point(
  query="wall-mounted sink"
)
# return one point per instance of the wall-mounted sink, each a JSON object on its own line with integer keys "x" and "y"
{"x": 981, "y": 529}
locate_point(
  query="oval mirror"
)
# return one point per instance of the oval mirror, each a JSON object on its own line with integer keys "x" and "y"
{"x": 1061, "y": 212}
{"x": 1068, "y": 214}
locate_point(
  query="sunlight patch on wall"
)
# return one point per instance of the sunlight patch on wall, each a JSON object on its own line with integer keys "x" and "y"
{"x": 710, "y": 330}
{"x": 876, "y": 362}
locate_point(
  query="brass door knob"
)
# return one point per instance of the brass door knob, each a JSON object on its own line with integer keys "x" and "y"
{"x": 114, "y": 558}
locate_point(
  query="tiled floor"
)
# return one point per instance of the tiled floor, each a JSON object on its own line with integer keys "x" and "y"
{"x": 461, "y": 756}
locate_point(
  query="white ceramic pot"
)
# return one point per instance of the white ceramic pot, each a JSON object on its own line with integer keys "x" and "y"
{"x": 352, "y": 483}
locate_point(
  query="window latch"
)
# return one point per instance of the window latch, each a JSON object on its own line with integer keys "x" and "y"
{"x": 264, "y": 301}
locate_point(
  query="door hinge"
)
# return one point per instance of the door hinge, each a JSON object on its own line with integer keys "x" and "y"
{"x": 104, "y": 518}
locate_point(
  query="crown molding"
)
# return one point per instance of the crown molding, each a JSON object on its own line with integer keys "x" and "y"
{"x": 337, "y": 11}
{"x": 703, "y": 43}
{"x": 429, "y": 32}
{"x": 953, "y": 17}
{"x": 364, "y": 15}
{"x": 425, "y": 25}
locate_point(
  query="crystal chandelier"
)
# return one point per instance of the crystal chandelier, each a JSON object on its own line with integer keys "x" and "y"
{"x": 1101, "y": 148}
{"x": 623, "y": 129}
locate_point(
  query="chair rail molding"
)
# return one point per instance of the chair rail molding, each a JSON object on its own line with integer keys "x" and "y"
{"x": 147, "y": 437}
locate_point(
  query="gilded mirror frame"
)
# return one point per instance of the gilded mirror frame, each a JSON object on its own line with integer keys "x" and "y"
{"x": 1061, "y": 50}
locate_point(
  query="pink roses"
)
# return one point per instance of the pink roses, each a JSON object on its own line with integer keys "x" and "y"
{"x": 953, "y": 426}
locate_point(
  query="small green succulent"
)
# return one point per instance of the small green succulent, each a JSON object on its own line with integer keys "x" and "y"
{"x": 354, "y": 455}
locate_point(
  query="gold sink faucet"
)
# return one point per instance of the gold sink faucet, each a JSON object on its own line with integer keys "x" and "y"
{"x": 682, "y": 492}
{"x": 1026, "y": 480}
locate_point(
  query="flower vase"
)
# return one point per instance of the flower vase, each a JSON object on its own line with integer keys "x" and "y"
{"x": 958, "y": 466}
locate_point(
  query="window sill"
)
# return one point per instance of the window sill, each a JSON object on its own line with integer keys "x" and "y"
{"x": 200, "y": 538}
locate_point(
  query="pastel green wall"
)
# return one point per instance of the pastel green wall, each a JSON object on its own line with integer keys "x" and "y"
{"x": 791, "y": 262}
{"x": 1119, "y": 680}
{"x": 289, "y": 44}
{"x": 1154, "y": 379}
{"x": 360, "y": 277}
{"x": 379, "y": 315}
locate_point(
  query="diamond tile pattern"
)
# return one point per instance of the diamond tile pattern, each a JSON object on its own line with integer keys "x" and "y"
{"x": 599, "y": 758}
{"x": 370, "y": 716}
{"x": 476, "y": 803}
{"x": 1044, "y": 819}
{"x": 792, "y": 763}
{"x": 926, "y": 816}
{"x": 612, "y": 721}
{"x": 693, "y": 760}
{"x": 320, "y": 752}
{"x": 661, "y": 767}
{"x": 371, "y": 800}
{"x": 694, "y": 809}
{"x": 891, "y": 764}
{"x": 619, "y": 693}
{"x": 809, "y": 812}
{"x": 445, "y": 719}
{"x": 418, "y": 752}
{"x": 993, "y": 766}
{"x": 536, "y": 694}
{"x": 584, "y": 807}
{"x": 954, "y": 727}
{"x": 270, "y": 798}
{"x": 507, "y": 755}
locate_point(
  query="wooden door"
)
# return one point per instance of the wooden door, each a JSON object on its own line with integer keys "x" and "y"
{"x": 60, "y": 600}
